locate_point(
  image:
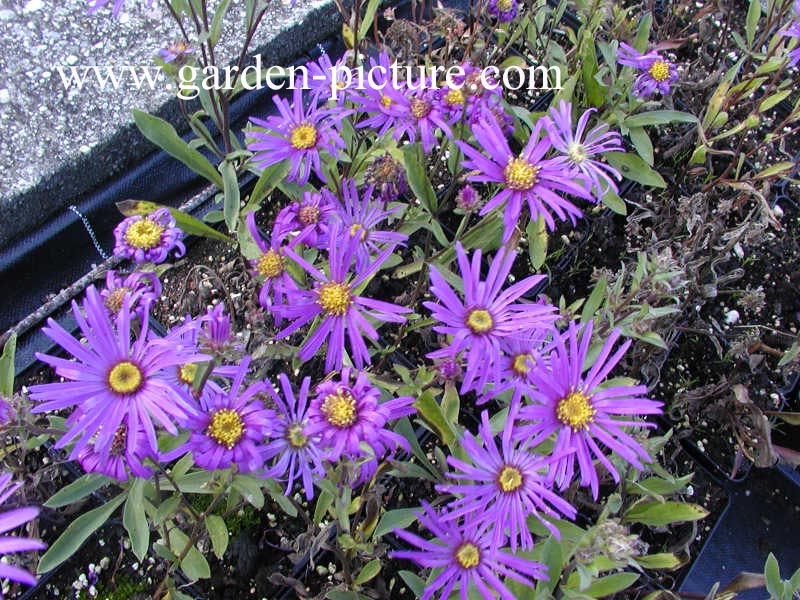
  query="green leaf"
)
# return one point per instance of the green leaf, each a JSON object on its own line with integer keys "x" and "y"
{"x": 432, "y": 414}
{"x": 634, "y": 168}
{"x": 610, "y": 584}
{"x": 77, "y": 533}
{"x": 216, "y": 23}
{"x": 276, "y": 493}
{"x": 418, "y": 179}
{"x": 77, "y": 490}
{"x": 659, "y": 117}
{"x": 163, "y": 135}
{"x": 772, "y": 573}
{"x": 537, "y": 242}
{"x": 751, "y": 22}
{"x": 369, "y": 18}
{"x": 615, "y": 203}
{"x": 641, "y": 141}
{"x": 135, "y": 520}
{"x": 772, "y": 100}
{"x": 552, "y": 557}
{"x": 659, "y": 486}
{"x": 663, "y": 513}
{"x": 7, "y": 367}
{"x": 594, "y": 301}
{"x": 414, "y": 582}
{"x": 232, "y": 200}
{"x": 662, "y": 560}
{"x": 776, "y": 169}
{"x": 193, "y": 226}
{"x": 368, "y": 572}
{"x": 399, "y": 517}
{"x": 643, "y": 32}
{"x": 218, "y": 532}
{"x": 269, "y": 179}
{"x": 194, "y": 565}
{"x": 250, "y": 489}
{"x": 595, "y": 92}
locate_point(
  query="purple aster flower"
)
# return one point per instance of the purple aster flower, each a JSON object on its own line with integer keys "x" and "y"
{"x": 658, "y": 73}
{"x": 10, "y": 544}
{"x": 360, "y": 219}
{"x": 346, "y": 415}
{"x": 582, "y": 413}
{"x": 231, "y": 429}
{"x": 793, "y": 30}
{"x": 95, "y": 5}
{"x": 504, "y": 10}
{"x": 148, "y": 238}
{"x": 304, "y": 222}
{"x": 327, "y": 80}
{"x": 449, "y": 368}
{"x": 383, "y": 98}
{"x": 520, "y": 356}
{"x": 423, "y": 115}
{"x": 113, "y": 380}
{"x": 176, "y": 53}
{"x": 338, "y": 310}
{"x": 486, "y": 316}
{"x": 503, "y": 486}
{"x": 388, "y": 176}
{"x": 272, "y": 267}
{"x": 527, "y": 177}
{"x": 579, "y": 147}
{"x": 298, "y": 450}
{"x": 297, "y": 135}
{"x": 492, "y": 111}
{"x": 216, "y": 336}
{"x": 7, "y": 413}
{"x": 143, "y": 288}
{"x": 467, "y": 557}
{"x": 117, "y": 461}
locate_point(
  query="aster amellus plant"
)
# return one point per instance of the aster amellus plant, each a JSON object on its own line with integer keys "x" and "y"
{"x": 385, "y": 355}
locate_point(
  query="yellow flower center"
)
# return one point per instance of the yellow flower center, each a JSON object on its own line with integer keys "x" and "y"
{"x": 659, "y": 70}
{"x": 504, "y": 5}
{"x": 509, "y": 479}
{"x": 125, "y": 377}
{"x": 576, "y": 152}
{"x": 339, "y": 408}
{"x": 480, "y": 320}
{"x": 355, "y": 228}
{"x": 576, "y": 411}
{"x": 187, "y": 373}
{"x": 520, "y": 174}
{"x": 521, "y": 365}
{"x": 454, "y": 98}
{"x": 226, "y": 427}
{"x": 303, "y": 137}
{"x": 386, "y": 102}
{"x": 468, "y": 555}
{"x": 420, "y": 108}
{"x": 114, "y": 300}
{"x": 144, "y": 234}
{"x": 334, "y": 298}
{"x": 270, "y": 264}
{"x": 295, "y": 436}
{"x": 308, "y": 215}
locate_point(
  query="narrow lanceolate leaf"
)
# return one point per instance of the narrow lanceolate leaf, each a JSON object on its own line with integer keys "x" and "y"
{"x": 751, "y": 22}
{"x": 662, "y": 560}
{"x": 7, "y": 367}
{"x": 610, "y": 584}
{"x": 77, "y": 490}
{"x": 418, "y": 179}
{"x": 76, "y": 534}
{"x": 368, "y": 572}
{"x": 537, "y": 242}
{"x": 659, "y": 117}
{"x": 194, "y": 565}
{"x": 218, "y": 532}
{"x": 135, "y": 520}
{"x": 232, "y": 200}
{"x": 432, "y": 413}
{"x": 399, "y": 518}
{"x": 664, "y": 513}
{"x": 634, "y": 168}
{"x": 163, "y": 135}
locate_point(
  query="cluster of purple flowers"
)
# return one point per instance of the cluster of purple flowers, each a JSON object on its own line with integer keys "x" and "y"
{"x": 511, "y": 345}
{"x": 793, "y": 31}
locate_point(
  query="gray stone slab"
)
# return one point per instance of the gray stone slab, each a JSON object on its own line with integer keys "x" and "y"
{"x": 58, "y": 142}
